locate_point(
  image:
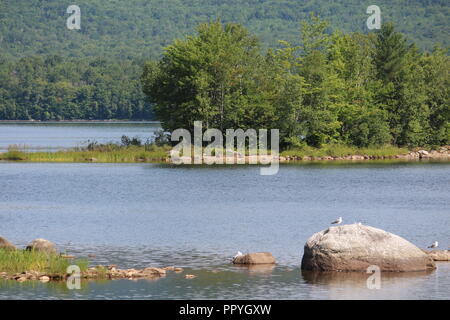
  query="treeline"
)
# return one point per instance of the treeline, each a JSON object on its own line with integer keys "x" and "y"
{"x": 56, "y": 88}
{"x": 141, "y": 28}
{"x": 356, "y": 89}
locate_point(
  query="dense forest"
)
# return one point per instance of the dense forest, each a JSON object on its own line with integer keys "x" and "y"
{"x": 141, "y": 28}
{"x": 355, "y": 89}
{"x": 56, "y": 88}
{"x": 48, "y": 72}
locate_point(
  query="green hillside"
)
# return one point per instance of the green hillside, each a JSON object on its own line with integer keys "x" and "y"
{"x": 141, "y": 28}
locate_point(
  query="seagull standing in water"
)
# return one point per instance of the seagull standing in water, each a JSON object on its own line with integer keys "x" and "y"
{"x": 338, "y": 221}
{"x": 434, "y": 245}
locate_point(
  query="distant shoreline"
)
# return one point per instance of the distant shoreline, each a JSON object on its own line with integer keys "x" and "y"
{"x": 79, "y": 121}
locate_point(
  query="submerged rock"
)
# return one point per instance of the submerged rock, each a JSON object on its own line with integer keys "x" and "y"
{"x": 356, "y": 247}
{"x": 255, "y": 258}
{"x": 5, "y": 244}
{"x": 42, "y": 245}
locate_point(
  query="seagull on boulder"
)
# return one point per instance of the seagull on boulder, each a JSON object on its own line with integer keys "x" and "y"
{"x": 338, "y": 221}
{"x": 239, "y": 254}
{"x": 434, "y": 245}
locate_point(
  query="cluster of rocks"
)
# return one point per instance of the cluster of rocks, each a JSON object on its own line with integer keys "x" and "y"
{"x": 236, "y": 157}
{"x": 29, "y": 275}
{"x": 112, "y": 272}
{"x": 442, "y": 153}
{"x": 95, "y": 273}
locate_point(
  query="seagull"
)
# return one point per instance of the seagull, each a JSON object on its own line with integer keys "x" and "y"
{"x": 338, "y": 221}
{"x": 238, "y": 255}
{"x": 434, "y": 245}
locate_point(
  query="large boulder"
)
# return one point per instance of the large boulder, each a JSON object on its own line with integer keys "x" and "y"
{"x": 6, "y": 245}
{"x": 355, "y": 247}
{"x": 42, "y": 245}
{"x": 255, "y": 258}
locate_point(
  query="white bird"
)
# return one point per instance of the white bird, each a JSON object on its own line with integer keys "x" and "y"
{"x": 434, "y": 245}
{"x": 338, "y": 221}
{"x": 238, "y": 255}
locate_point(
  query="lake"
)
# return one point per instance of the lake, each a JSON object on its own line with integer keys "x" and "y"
{"x": 139, "y": 215}
{"x": 61, "y": 135}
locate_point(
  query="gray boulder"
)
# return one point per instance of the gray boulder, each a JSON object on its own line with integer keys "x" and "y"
{"x": 255, "y": 258}
{"x": 6, "y": 245}
{"x": 42, "y": 245}
{"x": 355, "y": 247}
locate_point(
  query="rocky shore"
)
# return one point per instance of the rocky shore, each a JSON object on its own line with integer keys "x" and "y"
{"x": 443, "y": 153}
{"x": 94, "y": 273}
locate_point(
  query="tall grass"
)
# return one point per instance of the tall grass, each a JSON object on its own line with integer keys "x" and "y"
{"x": 339, "y": 150}
{"x": 17, "y": 261}
{"x": 114, "y": 153}
{"x": 104, "y": 154}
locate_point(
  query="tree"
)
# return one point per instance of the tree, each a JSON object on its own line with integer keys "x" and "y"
{"x": 437, "y": 79}
{"x": 213, "y": 76}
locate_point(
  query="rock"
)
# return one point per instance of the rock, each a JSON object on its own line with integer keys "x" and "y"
{"x": 439, "y": 255}
{"x": 178, "y": 270}
{"x": 169, "y": 268}
{"x": 190, "y": 276}
{"x": 44, "y": 279}
{"x": 5, "y": 244}
{"x": 356, "y": 247}
{"x": 155, "y": 271}
{"x": 42, "y": 245}
{"x": 255, "y": 258}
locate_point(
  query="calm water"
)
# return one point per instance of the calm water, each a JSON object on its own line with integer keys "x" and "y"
{"x": 60, "y": 135}
{"x": 138, "y": 215}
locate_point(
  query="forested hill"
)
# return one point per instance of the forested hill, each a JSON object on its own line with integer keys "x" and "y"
{"x": 141, "y": 28}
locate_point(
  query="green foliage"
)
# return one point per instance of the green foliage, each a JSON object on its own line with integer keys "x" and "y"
{"x": 354, "y": 89}
{"x": 18, "y": 261}
{"x": 56, "y": 88}
{"x": 132, "y": 150}
{"x": 204, "y": 78}
{"x": 141, "y": 28}
{"x": 343, "y": 150}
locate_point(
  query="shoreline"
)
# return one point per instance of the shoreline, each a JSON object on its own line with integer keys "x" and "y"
{"x": 161, "y": 155}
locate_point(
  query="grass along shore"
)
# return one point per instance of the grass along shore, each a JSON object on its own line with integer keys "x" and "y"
{"x": 37, "y": 262}
{"x": 113, "y": 153}
{"x": 24, "y": 265}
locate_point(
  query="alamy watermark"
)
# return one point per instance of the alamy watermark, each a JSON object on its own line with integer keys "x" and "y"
{"x": 374, "y": 281}
{"x": 73, "y": 281}
{"x": 374, "y": 21}
{"x": 189, "y": 151}
{"x": 74, "y": 21}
